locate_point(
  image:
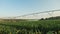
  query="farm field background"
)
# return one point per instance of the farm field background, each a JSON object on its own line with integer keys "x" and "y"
{"x": 30, "y": 27}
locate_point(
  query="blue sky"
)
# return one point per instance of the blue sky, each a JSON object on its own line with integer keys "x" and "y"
{"x": 21, "y": 7}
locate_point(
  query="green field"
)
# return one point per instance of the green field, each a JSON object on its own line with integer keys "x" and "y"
{"x": 30, "y": 27}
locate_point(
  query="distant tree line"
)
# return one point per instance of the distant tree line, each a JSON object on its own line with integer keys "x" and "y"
{"x": 51, "y": 18}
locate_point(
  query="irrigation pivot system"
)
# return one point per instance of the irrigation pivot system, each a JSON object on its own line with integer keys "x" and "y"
{"x": 52, "y": 11}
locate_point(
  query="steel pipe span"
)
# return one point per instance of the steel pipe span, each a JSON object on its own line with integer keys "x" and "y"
{"x": 33, "y": 14}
